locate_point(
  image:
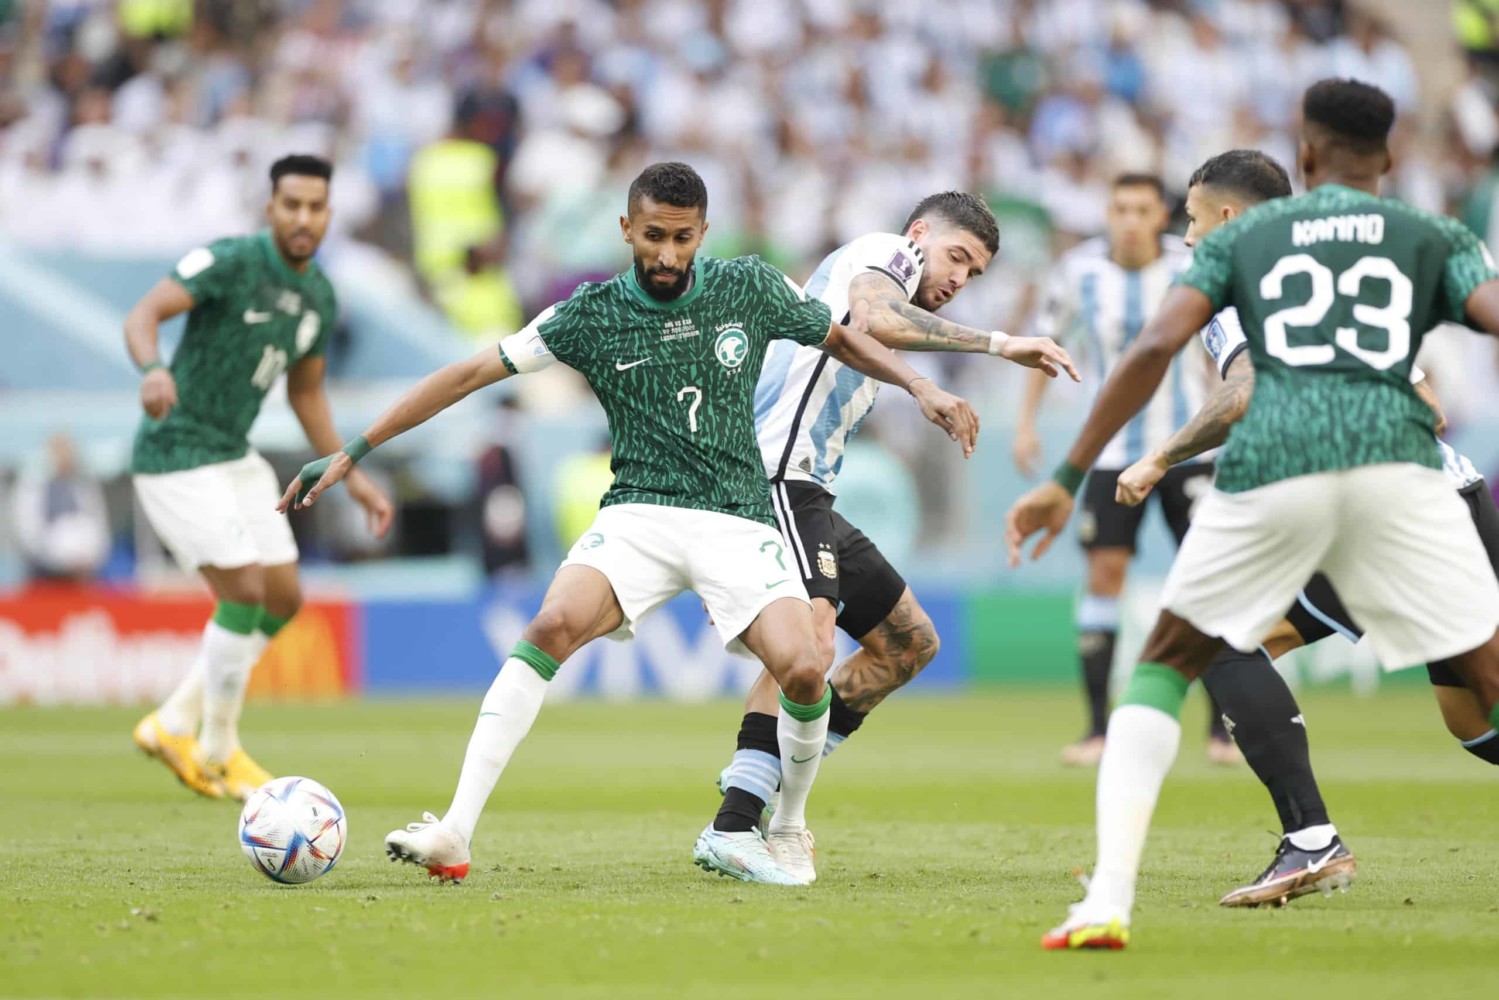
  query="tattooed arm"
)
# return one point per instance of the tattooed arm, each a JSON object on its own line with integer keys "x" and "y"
{"x": 890, "y": 318}
{"x": 1208, "y": 429}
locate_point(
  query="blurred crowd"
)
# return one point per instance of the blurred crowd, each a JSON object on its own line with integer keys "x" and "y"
{"x": 487, "y": 142}
{"x": 483, "y": 146}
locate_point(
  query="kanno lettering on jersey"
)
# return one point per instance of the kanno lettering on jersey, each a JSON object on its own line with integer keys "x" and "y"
{"x": 1343, "y": 228}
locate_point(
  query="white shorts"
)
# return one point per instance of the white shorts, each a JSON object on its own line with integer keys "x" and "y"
{"x": 1396, "y": 541}
{"x": 651, "y": 553}
{"x": 220, "y": 515}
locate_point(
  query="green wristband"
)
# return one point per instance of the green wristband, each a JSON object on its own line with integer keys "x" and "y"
{"x": 151, "y": 366}
{"x": 1069, "y": 477}
{"x": 357, "y": 449}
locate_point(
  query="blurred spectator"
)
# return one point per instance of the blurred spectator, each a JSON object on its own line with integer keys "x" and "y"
{"x": 60, "y": 519}
{"x": 502, "y": 501}
{"x": 458, "y": 228}
{"x": 581, "y": 480}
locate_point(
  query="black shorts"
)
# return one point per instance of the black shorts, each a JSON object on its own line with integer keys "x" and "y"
{"x": 1319, "y": 612}
{"x": 837, "y": 562}
{"x": 1105, "y": 523}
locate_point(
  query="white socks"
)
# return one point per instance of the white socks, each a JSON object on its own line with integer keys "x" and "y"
{"x": 1141, "y": 746}
{"x": 227, "y": 659}
{"x": 1313, "y": 838}
{"x": 513, "y": 701}
{"x": 182, "y": 712}
{"x": 801, "y": 746}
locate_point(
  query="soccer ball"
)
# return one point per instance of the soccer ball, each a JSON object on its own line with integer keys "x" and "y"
{"x": 292, "y": 830}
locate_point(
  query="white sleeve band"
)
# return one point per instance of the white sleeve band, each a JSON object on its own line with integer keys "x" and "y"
{"x": 526, "y": 350}
{"x": 1417, "y": 375}
{"x": 997, "y": 341}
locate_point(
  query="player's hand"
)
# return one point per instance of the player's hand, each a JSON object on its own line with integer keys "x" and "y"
{"x": 158, "y": 392}
{"x": 1026, "y": 447}
{"x": 1136, "y": 482}
{"x": 314, "y": 478}
{"x": 1039, "y": 352}
{"x": 949, "y": 412}
{"x": 1045, "y": 508}
{"x": 378, "y": 510}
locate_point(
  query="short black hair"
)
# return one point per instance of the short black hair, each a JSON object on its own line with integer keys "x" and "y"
{"x": 301, "y": 165}
{"x": 1136, "y": 178}
{"x": 1356, "y": 115}
{"x": 968, "y": 212}
{"x": 669, "y": 183}
{"x": 1248, "y": 174}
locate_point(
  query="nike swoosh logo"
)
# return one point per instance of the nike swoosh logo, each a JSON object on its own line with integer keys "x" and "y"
{"x": 624, "y": 368}
{"x": 252, "y": 317}
{"x": 1314, "y": 867}
{"x": 772, "y": 586}
{"x": 801, "y": 760}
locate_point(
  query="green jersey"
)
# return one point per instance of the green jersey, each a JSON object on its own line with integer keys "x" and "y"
{"x": 253, "y": 316}
{"x": 1335, "y": 289}
{"x": 677, "y": 379}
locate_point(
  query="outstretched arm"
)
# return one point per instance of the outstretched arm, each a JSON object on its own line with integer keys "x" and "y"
{"x": 417, "y": 405}
{"x": 1135, "y": 379}
{"x": 868, "y": 356}
{"x": 892, "y": 320}
{"x": 1207, "y": 430}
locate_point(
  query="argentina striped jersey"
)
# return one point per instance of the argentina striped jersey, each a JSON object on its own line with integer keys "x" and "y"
{"x": 1097, "y": 308}
{"x": 807, "y": 405}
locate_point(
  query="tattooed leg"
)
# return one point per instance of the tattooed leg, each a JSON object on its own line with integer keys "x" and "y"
{"x": 891, "y": 654}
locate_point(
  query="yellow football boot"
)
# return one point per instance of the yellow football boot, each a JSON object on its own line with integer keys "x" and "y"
{"x": 239, "y": 775}
{"x": 1077, "y": 935}
{"x": 180, "y": 753}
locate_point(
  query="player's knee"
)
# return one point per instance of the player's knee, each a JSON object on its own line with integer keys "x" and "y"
{"x": 1176, "y": 644}
{"x": 804, "y": 678}
{"x": 917, "y": 646}
{"x": 283, "y": 603}
{"x": 242, "y": 586}
{"x": 929, "y": 643}
{"x": 552, "y": 629}
{"x": 1106, "y": 571}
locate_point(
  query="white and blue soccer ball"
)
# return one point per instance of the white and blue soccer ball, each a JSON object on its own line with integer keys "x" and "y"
{"x": 292, "y": 830}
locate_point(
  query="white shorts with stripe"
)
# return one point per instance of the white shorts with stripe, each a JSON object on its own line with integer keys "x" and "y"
{"x": 650, "y": 553}
{"x": 1395, "y": 540}
{"x": 221, "y": 515}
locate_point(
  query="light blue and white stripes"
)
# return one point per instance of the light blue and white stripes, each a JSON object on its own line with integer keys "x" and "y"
{"x": 755, "y": 771}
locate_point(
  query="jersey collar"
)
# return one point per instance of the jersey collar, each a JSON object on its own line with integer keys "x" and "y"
{"x": 279, "y": 262}
{"x": 699, "y": 279}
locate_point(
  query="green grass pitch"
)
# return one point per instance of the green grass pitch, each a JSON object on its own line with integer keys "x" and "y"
{"x": 947, "y": 834}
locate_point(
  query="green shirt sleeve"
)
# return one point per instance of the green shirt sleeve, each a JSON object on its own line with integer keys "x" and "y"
{"x": 209, "y": 272}
{"x": 1469, "y": 264}
{"x": 1211, "y": 272}
{"x": 790, "y": 314}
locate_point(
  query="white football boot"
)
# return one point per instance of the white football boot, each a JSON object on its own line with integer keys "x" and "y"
{"x": 742, "y": 855}
{"x": 793, "y": 851}
{"x": 431, "y": 845}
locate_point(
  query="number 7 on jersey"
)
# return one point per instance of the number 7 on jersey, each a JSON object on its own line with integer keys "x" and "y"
{"x": 697, "y": 398}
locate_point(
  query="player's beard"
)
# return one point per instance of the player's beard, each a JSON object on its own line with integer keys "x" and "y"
{"x": 668, "y": 294}
{"x": 291, "y": 257}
